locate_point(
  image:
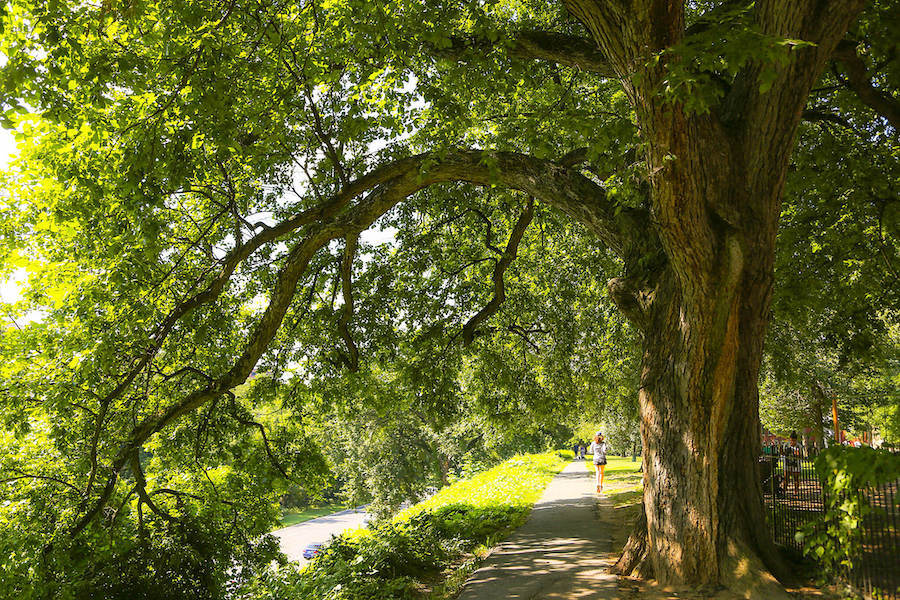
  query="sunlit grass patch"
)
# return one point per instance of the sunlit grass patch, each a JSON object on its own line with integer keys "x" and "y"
{"x": 623, "y": 480}
{"x": 294, "y": 516}
{"x": 516, "y": 483}
{"x": 425, "y": 551}
{"x": 620, "y": 471}
{"x": 615, "y": 464}
{"x": 626, "y": 497}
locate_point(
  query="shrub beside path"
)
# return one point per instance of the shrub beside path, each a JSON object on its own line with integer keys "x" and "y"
{"x": 561, "y": 552}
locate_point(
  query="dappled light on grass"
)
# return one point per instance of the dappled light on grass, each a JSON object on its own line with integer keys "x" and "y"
{"x": 420, "y": 548}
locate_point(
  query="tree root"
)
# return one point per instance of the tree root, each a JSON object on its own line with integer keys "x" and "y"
{"x": 741, "y": 571}
{"x": 634, "y": 561}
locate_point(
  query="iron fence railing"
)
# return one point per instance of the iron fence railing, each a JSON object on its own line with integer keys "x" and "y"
{"x": 794, "y": 496}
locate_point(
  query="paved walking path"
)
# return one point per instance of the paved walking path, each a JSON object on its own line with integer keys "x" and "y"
{"x": 559, "y": 552}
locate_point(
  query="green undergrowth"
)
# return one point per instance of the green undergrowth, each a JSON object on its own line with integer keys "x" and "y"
{"x": 420, "y": 552}
{"x": 835, "y": 538}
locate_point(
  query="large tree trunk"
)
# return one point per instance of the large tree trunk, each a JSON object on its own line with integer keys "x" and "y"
{"x": 716, "y": 181}
{"x": 699, "y": 406}
{"x": 715, "y": 207}
{"x": 704, "y": 324}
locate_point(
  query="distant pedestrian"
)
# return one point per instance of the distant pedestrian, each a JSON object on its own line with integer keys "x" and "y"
{"x": 581, "y": 451}
{"x": 792, "y": 462}
{"x": 575, "y": 450}
{"x": 599, "y": 449}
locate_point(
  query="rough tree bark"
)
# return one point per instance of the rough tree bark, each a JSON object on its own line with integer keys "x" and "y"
{"x": 716, "y": 183}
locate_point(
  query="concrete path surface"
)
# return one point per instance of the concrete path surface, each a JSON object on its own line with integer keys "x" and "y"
{"x": 560, "y": 553}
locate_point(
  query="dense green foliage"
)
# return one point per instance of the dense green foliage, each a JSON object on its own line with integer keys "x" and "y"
{"x": 161, "y": 142}
{"x": 178, "y": 208}
{"x": 392, "y": 558}
{"x": 835, "y": 538}
{"x": 835, "y": 329}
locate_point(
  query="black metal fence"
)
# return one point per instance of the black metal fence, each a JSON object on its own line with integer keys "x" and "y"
{"x": 794, "y": 496}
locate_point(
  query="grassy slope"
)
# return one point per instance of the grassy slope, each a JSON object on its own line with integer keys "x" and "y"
{"x": 518, "y": 483}
{"x": 426, "y": 550}
{"x": 294, "y": 516}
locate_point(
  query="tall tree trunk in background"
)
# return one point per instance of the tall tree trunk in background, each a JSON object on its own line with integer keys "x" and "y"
{"x": 818, "y": 406}
{"x": 716, "y": 183}
{"x": 445, "y": 471}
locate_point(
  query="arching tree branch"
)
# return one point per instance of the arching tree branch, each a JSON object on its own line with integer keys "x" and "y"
{"x": 562, "y": 188}
{"x": 509, "y": 254}
{"x": 857, "y": 78}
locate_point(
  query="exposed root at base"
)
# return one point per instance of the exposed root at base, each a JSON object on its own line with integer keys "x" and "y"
{"x": 742, "y": 574}
{"x": 634, "y": 560}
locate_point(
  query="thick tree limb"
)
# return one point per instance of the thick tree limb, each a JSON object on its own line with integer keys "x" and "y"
{"x": 560, "y": 48}
{"x": 857, "y": 78}
{"x": 569, "y": 191}
{"x": 509, "y": 254}
{"x": 631, "y": 299}
{"x": 818, "y": 115}
{"x": 628, "y": 33}
{"x": 141, "y": 487}
{"x": 824, "y": 24}
{"x": 566, "y": 50}
{"x": 230, "y": 262}
{"x": 565, "y": 189}
{"x": 573, "y": 158}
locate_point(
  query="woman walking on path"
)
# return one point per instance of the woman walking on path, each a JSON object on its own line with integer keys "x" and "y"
{"x": 599, "y": 449}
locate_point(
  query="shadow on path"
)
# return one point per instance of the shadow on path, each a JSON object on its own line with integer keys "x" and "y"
{"x": 559, "y": 553}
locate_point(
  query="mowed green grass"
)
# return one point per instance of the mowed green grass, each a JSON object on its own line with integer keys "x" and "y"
{"x": 624, "y": 480}
{"x": 294, "y": 516}
{"x": 617, "y": 466}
